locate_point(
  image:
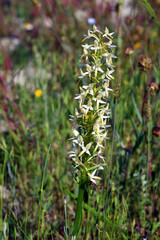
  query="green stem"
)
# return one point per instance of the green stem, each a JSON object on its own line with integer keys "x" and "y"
{"x": 78, "y": 217}
{"x": 88, "y": 214}
{"x": 2, "y": 183}
{"x": 39, "y": 218}
{"x": 110, "y": 164}
{"x": 65, "y": 214}
{"x": 97, "y": 214}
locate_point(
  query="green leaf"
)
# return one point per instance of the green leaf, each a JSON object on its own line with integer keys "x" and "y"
{"x": 136, "y": 108}
{"x": 135, "y": 127}
{"x": 151, "y": 11}
{"x": 97, "y": 214}
{"x": 119, "y": 140}
{"x": 15, "y": 222}
{"x": 126, "y": 238}
{"x": 78, "y": 217}
{"x": 155, "y": 227}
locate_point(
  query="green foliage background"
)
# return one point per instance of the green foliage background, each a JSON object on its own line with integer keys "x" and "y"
{"x": 35, "y": 171}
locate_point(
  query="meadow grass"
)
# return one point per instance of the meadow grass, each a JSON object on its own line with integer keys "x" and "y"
{"x": 37, "y": 192}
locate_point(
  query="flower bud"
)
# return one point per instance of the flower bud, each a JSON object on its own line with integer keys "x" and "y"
{"x": 153, "y": 87}
{"x": 156, "y": 131}
{"x": 129, "y": 51}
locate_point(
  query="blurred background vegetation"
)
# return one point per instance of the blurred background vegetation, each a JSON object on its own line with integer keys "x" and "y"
{"x": 40, "y": 47}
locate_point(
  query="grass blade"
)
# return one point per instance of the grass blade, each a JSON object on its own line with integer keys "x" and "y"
{"x": 16, "y": 224}
{"x": 136, "y": 108}
{"x": 45, "y": 165}
{"x": 135, "y": 127}
{"x": 151, "y": 11}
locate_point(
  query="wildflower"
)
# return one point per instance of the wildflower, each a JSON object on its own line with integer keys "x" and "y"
{"x": 28, "y": 26}
{"x": 129, "y": 51}
{"x": 36, "y": 2}
{"x": 85, "y": 149}
{"x": 137, "y": 45}
{"x": 144, "y": 63}
{"x": 108, "y": 35}
{"x": 92, "y": 177}
{"x": 100, "y": 140}
{"x": 153, "y": 87}
{"x": 38, "y": 93}
{"x": 88, "y": 107}
{"x": 98, "y": 100}
{"x": 156, "y": 131}
{"x": 90, "y": 120}
{"x": 91, "y": 21}
{"x": 90, "y": 129}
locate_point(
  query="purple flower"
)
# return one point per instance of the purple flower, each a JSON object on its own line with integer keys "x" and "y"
{"x": 91, "y": 21}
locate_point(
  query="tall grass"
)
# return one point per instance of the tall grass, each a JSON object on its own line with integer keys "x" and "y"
{"x": 35, "y": 170}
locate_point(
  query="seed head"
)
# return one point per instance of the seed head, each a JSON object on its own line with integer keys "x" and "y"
{"x": 144, "y": 63}
{"x": 148, "y": 110}
{"x": 118, "y": 82}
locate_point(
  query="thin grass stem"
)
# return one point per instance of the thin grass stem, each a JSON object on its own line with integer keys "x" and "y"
{"x": 3, "y": 174}
{"x": 12, "y": 220}
{"x": 65, "y": 215}
{"x": 78, "y": 216}
{"x": 110, "y": 163}
{"x": 41, "y": 196}
{"x": 97, "y": 214}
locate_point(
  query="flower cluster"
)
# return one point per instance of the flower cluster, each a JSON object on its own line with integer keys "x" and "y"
{"x": 91, "y": 119}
